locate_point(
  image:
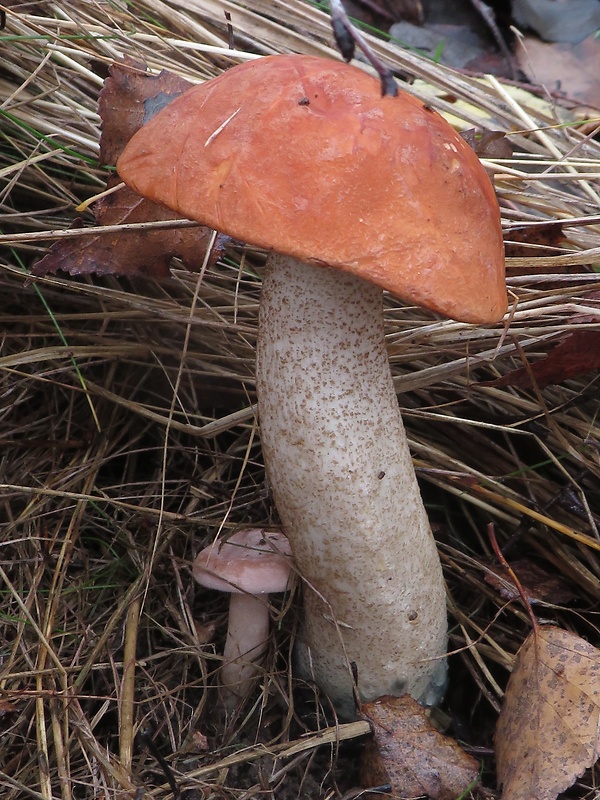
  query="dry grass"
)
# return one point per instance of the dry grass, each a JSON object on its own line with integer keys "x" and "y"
{"x": 129, "y": 437}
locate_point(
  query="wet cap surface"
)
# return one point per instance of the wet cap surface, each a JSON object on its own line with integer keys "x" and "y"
{"x": 302, "y": 155}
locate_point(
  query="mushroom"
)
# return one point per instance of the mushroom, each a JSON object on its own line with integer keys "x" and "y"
{"x": 351, "y": 193}
{"x": 250, "y": 565}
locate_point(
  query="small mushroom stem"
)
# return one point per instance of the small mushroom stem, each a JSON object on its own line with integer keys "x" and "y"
{"x": 246, "y": 642}
{"x": 345, "y": 488}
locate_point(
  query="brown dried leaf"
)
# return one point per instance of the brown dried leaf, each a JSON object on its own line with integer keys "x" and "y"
{"x": 487, "y": 143}
{"x": 548, "y": 729}
{"x": 538, "y": 585}
{"x": 576, "y": 354}
{"x": 408, "y": 753}
{"x": 146, "y": 253}
{"x": 575, "y": 68}
{"x": 200, "y": 742}
{"x": 205, "y": 631}
{"x": 128, "y": 99}
{"x": 546, "y": 237}
{"x": 7, "y": 708}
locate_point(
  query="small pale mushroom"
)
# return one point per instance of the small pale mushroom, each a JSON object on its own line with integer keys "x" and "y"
{"x": 351, "y": 193}
{"x": 251, "y": 564}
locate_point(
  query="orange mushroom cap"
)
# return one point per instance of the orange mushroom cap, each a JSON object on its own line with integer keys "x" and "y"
{"x": 302, "y": 155}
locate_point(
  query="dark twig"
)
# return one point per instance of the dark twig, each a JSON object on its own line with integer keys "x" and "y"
{"x": 230, "y": 36}
{"x": 489, "y": 17}
{"x": 147, "y": 739}
{"x": 347, "y": 37}
{"x": 500, "y": 556}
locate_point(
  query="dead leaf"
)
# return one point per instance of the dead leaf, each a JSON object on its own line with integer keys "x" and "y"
{"x": 205, "y": 631}
{"x": 538, "y": 585}
{"x": 575, "y": 68}
{"x": 576, "y": 354}
{"x": 146, "y": 253}
{"x": 200, "y": 741}
{"x": 487, "y": 143}
{"x": 545, "y": 237}
{"x": 128, "y": 99}
{"x": 7, "y": 708}
{"x": 410, "y": 755}
{"x": 587, "y": 118}
{"x": 547, "y": 733}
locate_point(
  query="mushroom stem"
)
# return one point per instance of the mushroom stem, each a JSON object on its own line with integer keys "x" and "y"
{"x": 345, "y": 489}
{"x": 247, "y": 637}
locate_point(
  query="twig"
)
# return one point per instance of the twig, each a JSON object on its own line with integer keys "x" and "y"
{"x": 339, "y": 733}
{"x": 73, "y": 233}
{"x": 487, "y": 14}
{"x": 146, "y": 737}
{"x": 347, "y": 37}
{"x": 500, "y": 556}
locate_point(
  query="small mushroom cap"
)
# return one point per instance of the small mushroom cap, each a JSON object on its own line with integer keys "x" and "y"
{"x": 302, "y": 155}
{"x": 253, "y": 561}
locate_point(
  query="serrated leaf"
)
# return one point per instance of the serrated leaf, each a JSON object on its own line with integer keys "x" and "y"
{"x": 548, "y": 729}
